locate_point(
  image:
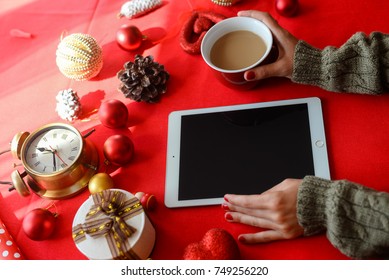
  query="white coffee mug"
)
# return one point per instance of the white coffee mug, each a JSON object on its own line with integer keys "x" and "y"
{"x": 235, "y": 78}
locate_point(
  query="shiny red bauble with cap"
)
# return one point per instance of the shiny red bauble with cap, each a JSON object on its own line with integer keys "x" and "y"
{"x": 39, "y": 224}
{"x": 287, "y": 8}
{"x": 118, "y": 149}
{"x": 129, "y": 37}
{"x": 113, "y": 114}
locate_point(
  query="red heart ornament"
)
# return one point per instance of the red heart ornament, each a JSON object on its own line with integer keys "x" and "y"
{"x": 217, "y": 244}
{"x": 195, "y": 28}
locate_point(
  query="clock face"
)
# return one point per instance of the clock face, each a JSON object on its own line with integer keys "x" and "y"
{"x": 52, "y": 149}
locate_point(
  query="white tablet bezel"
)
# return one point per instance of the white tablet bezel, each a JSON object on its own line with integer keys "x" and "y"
{"x": 319, "y": 145}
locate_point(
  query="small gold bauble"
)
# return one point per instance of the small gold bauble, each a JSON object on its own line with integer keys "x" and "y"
{"x": 100, "y": 182}
{"x": 225, "y": 2}
{"x": 79, "y": 57}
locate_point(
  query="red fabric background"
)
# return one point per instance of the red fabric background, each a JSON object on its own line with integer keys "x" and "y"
{"x": 357, "y": 126}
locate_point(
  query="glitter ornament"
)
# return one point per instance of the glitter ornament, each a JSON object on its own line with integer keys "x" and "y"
{"x": 217, "y": 244}
{"x": 224, "y": 2}
{"x": 79, "y": 57}
{"x": 68, "y": 105}
{"x": 137, "y": 8}
{"x": 195, "y": 28}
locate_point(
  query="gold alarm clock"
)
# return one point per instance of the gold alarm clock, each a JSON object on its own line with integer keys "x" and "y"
{"x": 57, "y": 159}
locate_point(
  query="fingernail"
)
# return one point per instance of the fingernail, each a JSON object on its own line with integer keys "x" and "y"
{"x": 242, "y": 239}
{"x": 250, "y": 75}
{"x": 228, "y": 216}
{"x": 225, "y": 207}
{"x": 226, "y": 199}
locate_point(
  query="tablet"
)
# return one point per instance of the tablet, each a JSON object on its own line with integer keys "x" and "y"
{"x": 242, "y": 149}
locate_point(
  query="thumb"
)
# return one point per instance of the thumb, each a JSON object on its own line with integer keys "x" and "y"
{"x": 280, "y": 68}
{"x": 262, "y": 72}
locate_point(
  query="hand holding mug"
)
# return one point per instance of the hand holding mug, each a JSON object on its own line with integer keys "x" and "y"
{"x": 286, "y": 43}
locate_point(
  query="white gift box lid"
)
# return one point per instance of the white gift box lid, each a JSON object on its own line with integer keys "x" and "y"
{"x": 141, "y": 241}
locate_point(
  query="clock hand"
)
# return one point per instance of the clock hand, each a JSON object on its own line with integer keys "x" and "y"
{"x": 42, "y": 149}
{"x": 54, "y": 162}
{"x": 51, "y": 150}
{"x": 55, "y": 152}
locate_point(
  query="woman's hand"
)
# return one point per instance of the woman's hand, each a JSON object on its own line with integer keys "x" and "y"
{"x": 286, "y": 43}
{"x": 274, "y": 210}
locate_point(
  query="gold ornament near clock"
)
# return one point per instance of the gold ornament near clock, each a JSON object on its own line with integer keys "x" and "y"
{"x": 57, "y": 159}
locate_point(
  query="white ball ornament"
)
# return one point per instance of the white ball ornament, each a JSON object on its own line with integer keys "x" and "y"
{"x": 79, "y": 57}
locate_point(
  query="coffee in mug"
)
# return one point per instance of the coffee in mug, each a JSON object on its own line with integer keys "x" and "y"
{"x": 237, "y": 50}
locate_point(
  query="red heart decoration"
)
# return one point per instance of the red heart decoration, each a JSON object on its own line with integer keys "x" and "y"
{"x": 217, "y": 244}
{"x": 195, "y": 28}
{"x": 202, "y": 24}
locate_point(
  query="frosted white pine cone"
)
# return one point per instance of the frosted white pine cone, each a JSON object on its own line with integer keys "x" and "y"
{"x": 136, "y": 8}
{"x": 68, "y": 105}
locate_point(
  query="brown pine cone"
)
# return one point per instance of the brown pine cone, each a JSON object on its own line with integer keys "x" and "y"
{"x": 143, "y": 80}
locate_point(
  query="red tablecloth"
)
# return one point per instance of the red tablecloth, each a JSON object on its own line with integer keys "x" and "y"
{"x": 357, "y": 126}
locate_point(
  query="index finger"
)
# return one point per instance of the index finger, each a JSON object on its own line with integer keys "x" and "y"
{"x": 265, "y": 17}
{"x": 253, "y": 201}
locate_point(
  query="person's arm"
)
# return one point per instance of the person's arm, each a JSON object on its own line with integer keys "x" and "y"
{"x": 355, "y": 218}
{"x": 361, "y": 65}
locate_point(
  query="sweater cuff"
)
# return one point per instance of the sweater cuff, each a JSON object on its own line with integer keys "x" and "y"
{"x": 311, "y": 204}
{"x": 307, "y": 64}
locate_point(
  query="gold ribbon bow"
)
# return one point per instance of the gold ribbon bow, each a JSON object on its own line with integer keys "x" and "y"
{"x": 107, "y": 218}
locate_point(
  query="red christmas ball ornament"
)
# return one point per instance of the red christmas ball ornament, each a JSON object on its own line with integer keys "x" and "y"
{"x": 113, "y": 114}
{"x": 118, "y": 149}
{"x": 217, "y": 244}
{"x": 39, "y": 224}
{"x": 129, "y": 37}
{"x": 287, "y": 8}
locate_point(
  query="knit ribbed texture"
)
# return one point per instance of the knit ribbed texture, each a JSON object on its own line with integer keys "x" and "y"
{"x": 356, "y": 218}
{"x": 361, "y": 65}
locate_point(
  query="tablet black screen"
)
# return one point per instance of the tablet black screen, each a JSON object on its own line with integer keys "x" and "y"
{"x": 244, "y": 151}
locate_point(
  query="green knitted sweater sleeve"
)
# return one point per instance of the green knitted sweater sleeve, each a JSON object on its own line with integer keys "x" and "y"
{"x": 361, "y": 65}
{"x": 355, "y": 218}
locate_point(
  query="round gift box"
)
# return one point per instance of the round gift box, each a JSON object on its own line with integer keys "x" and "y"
{"x": 141, "y": 241}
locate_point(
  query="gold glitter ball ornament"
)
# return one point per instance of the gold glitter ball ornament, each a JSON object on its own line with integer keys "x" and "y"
{"x": 79, "y": 57}
{"x": 225, "y": 2}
